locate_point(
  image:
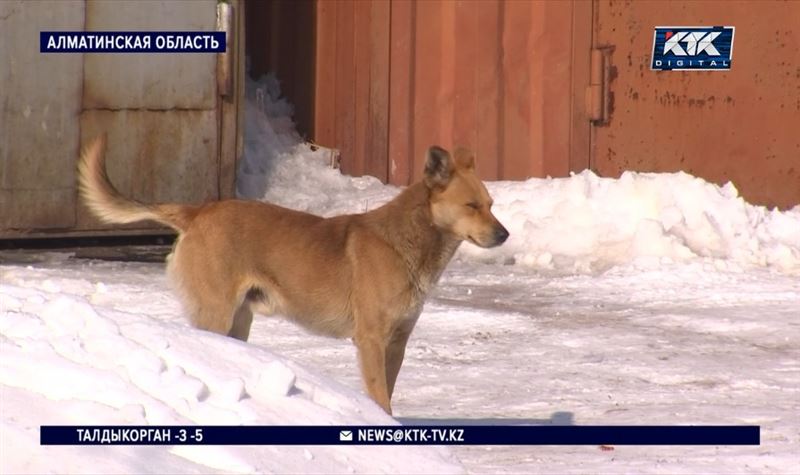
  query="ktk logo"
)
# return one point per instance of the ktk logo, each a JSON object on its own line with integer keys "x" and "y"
{"x": 696, "y": 42}
{"x": 692, "y": 48}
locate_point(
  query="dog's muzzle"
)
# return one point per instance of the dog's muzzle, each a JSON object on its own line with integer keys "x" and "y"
{"x": 500, "y": 236}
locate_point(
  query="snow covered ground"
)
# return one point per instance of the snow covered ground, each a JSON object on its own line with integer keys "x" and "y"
{"x": 652, "y": 299}
{"x": 87, "y": 342}
{"x": 106, "y": 343}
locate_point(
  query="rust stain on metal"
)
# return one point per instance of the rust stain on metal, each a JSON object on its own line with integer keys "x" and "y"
{"x": 38, "y": 131}
{"x": 496, "y": 76}
{"x": 738, "y": 126}
{"x": 157, "y": 156}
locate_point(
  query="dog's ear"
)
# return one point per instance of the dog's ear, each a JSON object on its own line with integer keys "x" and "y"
{"x": 439, "y": 167}
{"x": 464, "y": 158}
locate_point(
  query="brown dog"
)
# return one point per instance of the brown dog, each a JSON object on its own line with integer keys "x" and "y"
{"x": 363, "y": 276}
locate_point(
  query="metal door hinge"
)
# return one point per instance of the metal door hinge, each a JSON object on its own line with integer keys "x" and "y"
{"x": 598, "y": 95}
{"x": 225, "y": 60}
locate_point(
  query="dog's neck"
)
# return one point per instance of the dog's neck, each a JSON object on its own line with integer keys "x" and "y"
{"x": 425, "y": 248}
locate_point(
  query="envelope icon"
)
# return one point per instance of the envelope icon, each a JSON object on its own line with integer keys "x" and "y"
{"x": 346, "y": 435}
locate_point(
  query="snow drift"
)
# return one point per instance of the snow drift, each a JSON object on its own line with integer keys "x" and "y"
{"x": 74, "y": 352}
{"x": 586, "y": 223}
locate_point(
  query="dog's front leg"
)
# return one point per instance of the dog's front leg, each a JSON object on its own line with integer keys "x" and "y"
{"x": 371, "y": 354}
{"x": 395, "y": 352}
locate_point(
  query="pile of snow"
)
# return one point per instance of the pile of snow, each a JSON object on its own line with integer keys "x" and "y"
{"x": 580, "y": 224}
{"x": 278, "y": 166}
{"x": 74, "y": 352}
{"x": 586, "y": 223}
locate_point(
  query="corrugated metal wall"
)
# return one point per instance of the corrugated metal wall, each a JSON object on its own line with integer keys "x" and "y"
{"x": 395, "y": 77}
{"x": 352, "y": 83}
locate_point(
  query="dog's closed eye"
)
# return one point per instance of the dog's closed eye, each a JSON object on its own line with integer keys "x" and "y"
{"x": 473, "y": 205}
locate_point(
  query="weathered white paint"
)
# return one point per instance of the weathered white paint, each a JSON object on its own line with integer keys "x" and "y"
{"x": 40, "y": 98}
{"x": 154, "y": 156}
{"x": 151, "y": 81}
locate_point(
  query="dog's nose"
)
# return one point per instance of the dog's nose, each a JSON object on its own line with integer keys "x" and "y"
{"x": 500, "y": 235}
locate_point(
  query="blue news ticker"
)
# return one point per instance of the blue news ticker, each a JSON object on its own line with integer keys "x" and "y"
{"x": 400, "y": 435}
{"x": 132, "y": 42}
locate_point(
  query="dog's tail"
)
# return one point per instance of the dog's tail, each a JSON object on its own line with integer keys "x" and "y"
{"x": 110, "y": 206}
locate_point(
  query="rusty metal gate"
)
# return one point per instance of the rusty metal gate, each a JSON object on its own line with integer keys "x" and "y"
{"x": 741, "y": 125}
{"x": 543, "y": 88}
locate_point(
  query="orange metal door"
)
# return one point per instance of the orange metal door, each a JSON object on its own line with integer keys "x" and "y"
{"x": 505, "y": 78}
{"x": 491, "y": 75}
{"x": 741, "y": 125}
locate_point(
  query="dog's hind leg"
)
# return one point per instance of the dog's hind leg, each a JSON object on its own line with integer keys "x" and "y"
{"x": 242, "y": 319}
{"x": 210, "y": 312}
{"x": 218, "y": 314}
{"x": 207, "y": 296}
